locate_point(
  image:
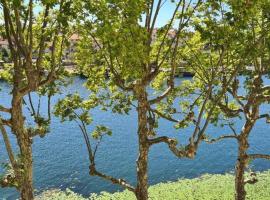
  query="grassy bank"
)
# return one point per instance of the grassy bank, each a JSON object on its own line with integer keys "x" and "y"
{"x": 206, "y": 187}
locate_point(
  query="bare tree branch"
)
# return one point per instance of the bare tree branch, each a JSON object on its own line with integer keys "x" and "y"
{"x": 262, "y": 156}
{"x": 220, "y": 138}
{"x": 167, "y": 31}
{"x": 233, "y": 129}
{"x": 43, "y": 37}
{"x": 4, "y": 109}
{"x": 172, "y": 144}
{"x": 31, "y": 104}
{"x": 156, "y": 14}
{"x": 161, "y": 97}
{"x": 121, "y": 182}
{"x": 164, "y": 115}
{"x": 8, "y": 145}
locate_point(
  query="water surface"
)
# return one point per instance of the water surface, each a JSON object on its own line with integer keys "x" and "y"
{"x": 61, "y": 160}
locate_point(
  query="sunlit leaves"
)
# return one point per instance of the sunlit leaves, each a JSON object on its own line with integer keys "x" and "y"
{"x": 6, "y": 72}
{"x": 101, "y": 131}
{"x": 72, "y": 108}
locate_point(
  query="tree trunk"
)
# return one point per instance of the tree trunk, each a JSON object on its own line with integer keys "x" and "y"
{"x": 240, "y": 193}
{"x": 25, "y": 175}
{"x": 252, "y": 108}
{"x": 242, "y": 161}
{"x": 142, "y": 161}
{"x": 26, "y": 187}
{"x": 142, "y": 173}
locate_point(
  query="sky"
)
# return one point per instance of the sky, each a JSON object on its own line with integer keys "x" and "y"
{"x": 166, "y": 13}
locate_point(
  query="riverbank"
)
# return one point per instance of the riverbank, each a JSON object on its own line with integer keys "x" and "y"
{"x": 206, "y": 187}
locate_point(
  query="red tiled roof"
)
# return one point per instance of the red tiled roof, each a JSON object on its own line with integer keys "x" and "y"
{"x": 74, "y": 37}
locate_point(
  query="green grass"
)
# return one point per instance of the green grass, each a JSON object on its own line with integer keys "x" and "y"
{"x": 206, "y": 187}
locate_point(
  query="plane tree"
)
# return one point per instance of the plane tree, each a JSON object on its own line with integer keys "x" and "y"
{"x": 131, "y": 64}
{"x": 31, "y": 28}
{"x": 248, "y": 93}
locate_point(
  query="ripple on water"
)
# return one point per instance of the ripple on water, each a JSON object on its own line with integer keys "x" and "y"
{"x": 60, "y": 159}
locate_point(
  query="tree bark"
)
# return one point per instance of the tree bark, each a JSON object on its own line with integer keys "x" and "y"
{"x": 142, "y": 161}
{"x": 242, "y": 161}
{"x": 26, "y": 185}
{"x": 25, "y": 176}
{"x": 240, "y": 193}
{"x": 27, "y": 191}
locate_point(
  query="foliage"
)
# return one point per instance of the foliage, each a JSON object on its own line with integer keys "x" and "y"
{"x": 119, "y": 46}
{"x": 6, "y": 73}
{"x": 206, "y": 187}
{"x": 59, "y": 195}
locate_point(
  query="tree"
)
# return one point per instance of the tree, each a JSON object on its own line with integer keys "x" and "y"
{"x": 29, "y": 34}
{"x": 120, "y": 38}
{"x": 250, "y": 24}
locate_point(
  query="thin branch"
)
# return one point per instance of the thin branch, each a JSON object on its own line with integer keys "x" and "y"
{"x": 8, "y": 145}
{"x": 168, "y": 29}
{"x": 172, "y": 75}
{"x": 199, "y": 65}
{"x": 86, "y": 137}
{"x": 31, "y": 104}
{"x": 172, "y": 144}
{"x": 91, "y": 154}
{"x": 148, "y": 16}
{"x": 237, "y": 97}
{"x": 97, "y": 145}
{"x": 38, "y": 107}
{"x": 121, "y": 182}
{"x": 180, "y": 28}
{"x": 233, "y": 129}
{"x": 162, "y": 96}
{"x": 43, "y": 37}
{"x": 49, "y": 107}
{"x": 262, "y": 156}
{"x": 164, "y": 115}
{"x": 10, "y": 29}
{"x": 87, "y": 141}
{"x": 220, "y": 138}
{"x": 155, "y": 15}
{"x": 203, "y": 107}
{"x": 223, "y": 91}
{"x": 4, "y": 109}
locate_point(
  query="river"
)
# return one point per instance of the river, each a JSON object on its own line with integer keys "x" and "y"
{"x": 61, "y": 160}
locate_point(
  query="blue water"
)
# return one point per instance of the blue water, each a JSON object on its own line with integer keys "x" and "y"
{"x": 61, "y": 160}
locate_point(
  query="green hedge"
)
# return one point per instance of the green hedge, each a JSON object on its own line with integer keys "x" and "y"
{"x": 206, "y": 187}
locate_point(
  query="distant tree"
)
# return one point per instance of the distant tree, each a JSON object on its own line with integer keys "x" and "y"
{"x": 30, "y": 33}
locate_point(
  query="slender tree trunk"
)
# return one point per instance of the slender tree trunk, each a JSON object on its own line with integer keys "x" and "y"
{"x": 142, "y": 171}
{"x": 242, "y": 161}
{"x": 25, "y": 175}
{"x": 27, "y": 191}
{"x": 252, "y": 108}
{"x": 142, "y": 161}
{"x": 240, "y": 193}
